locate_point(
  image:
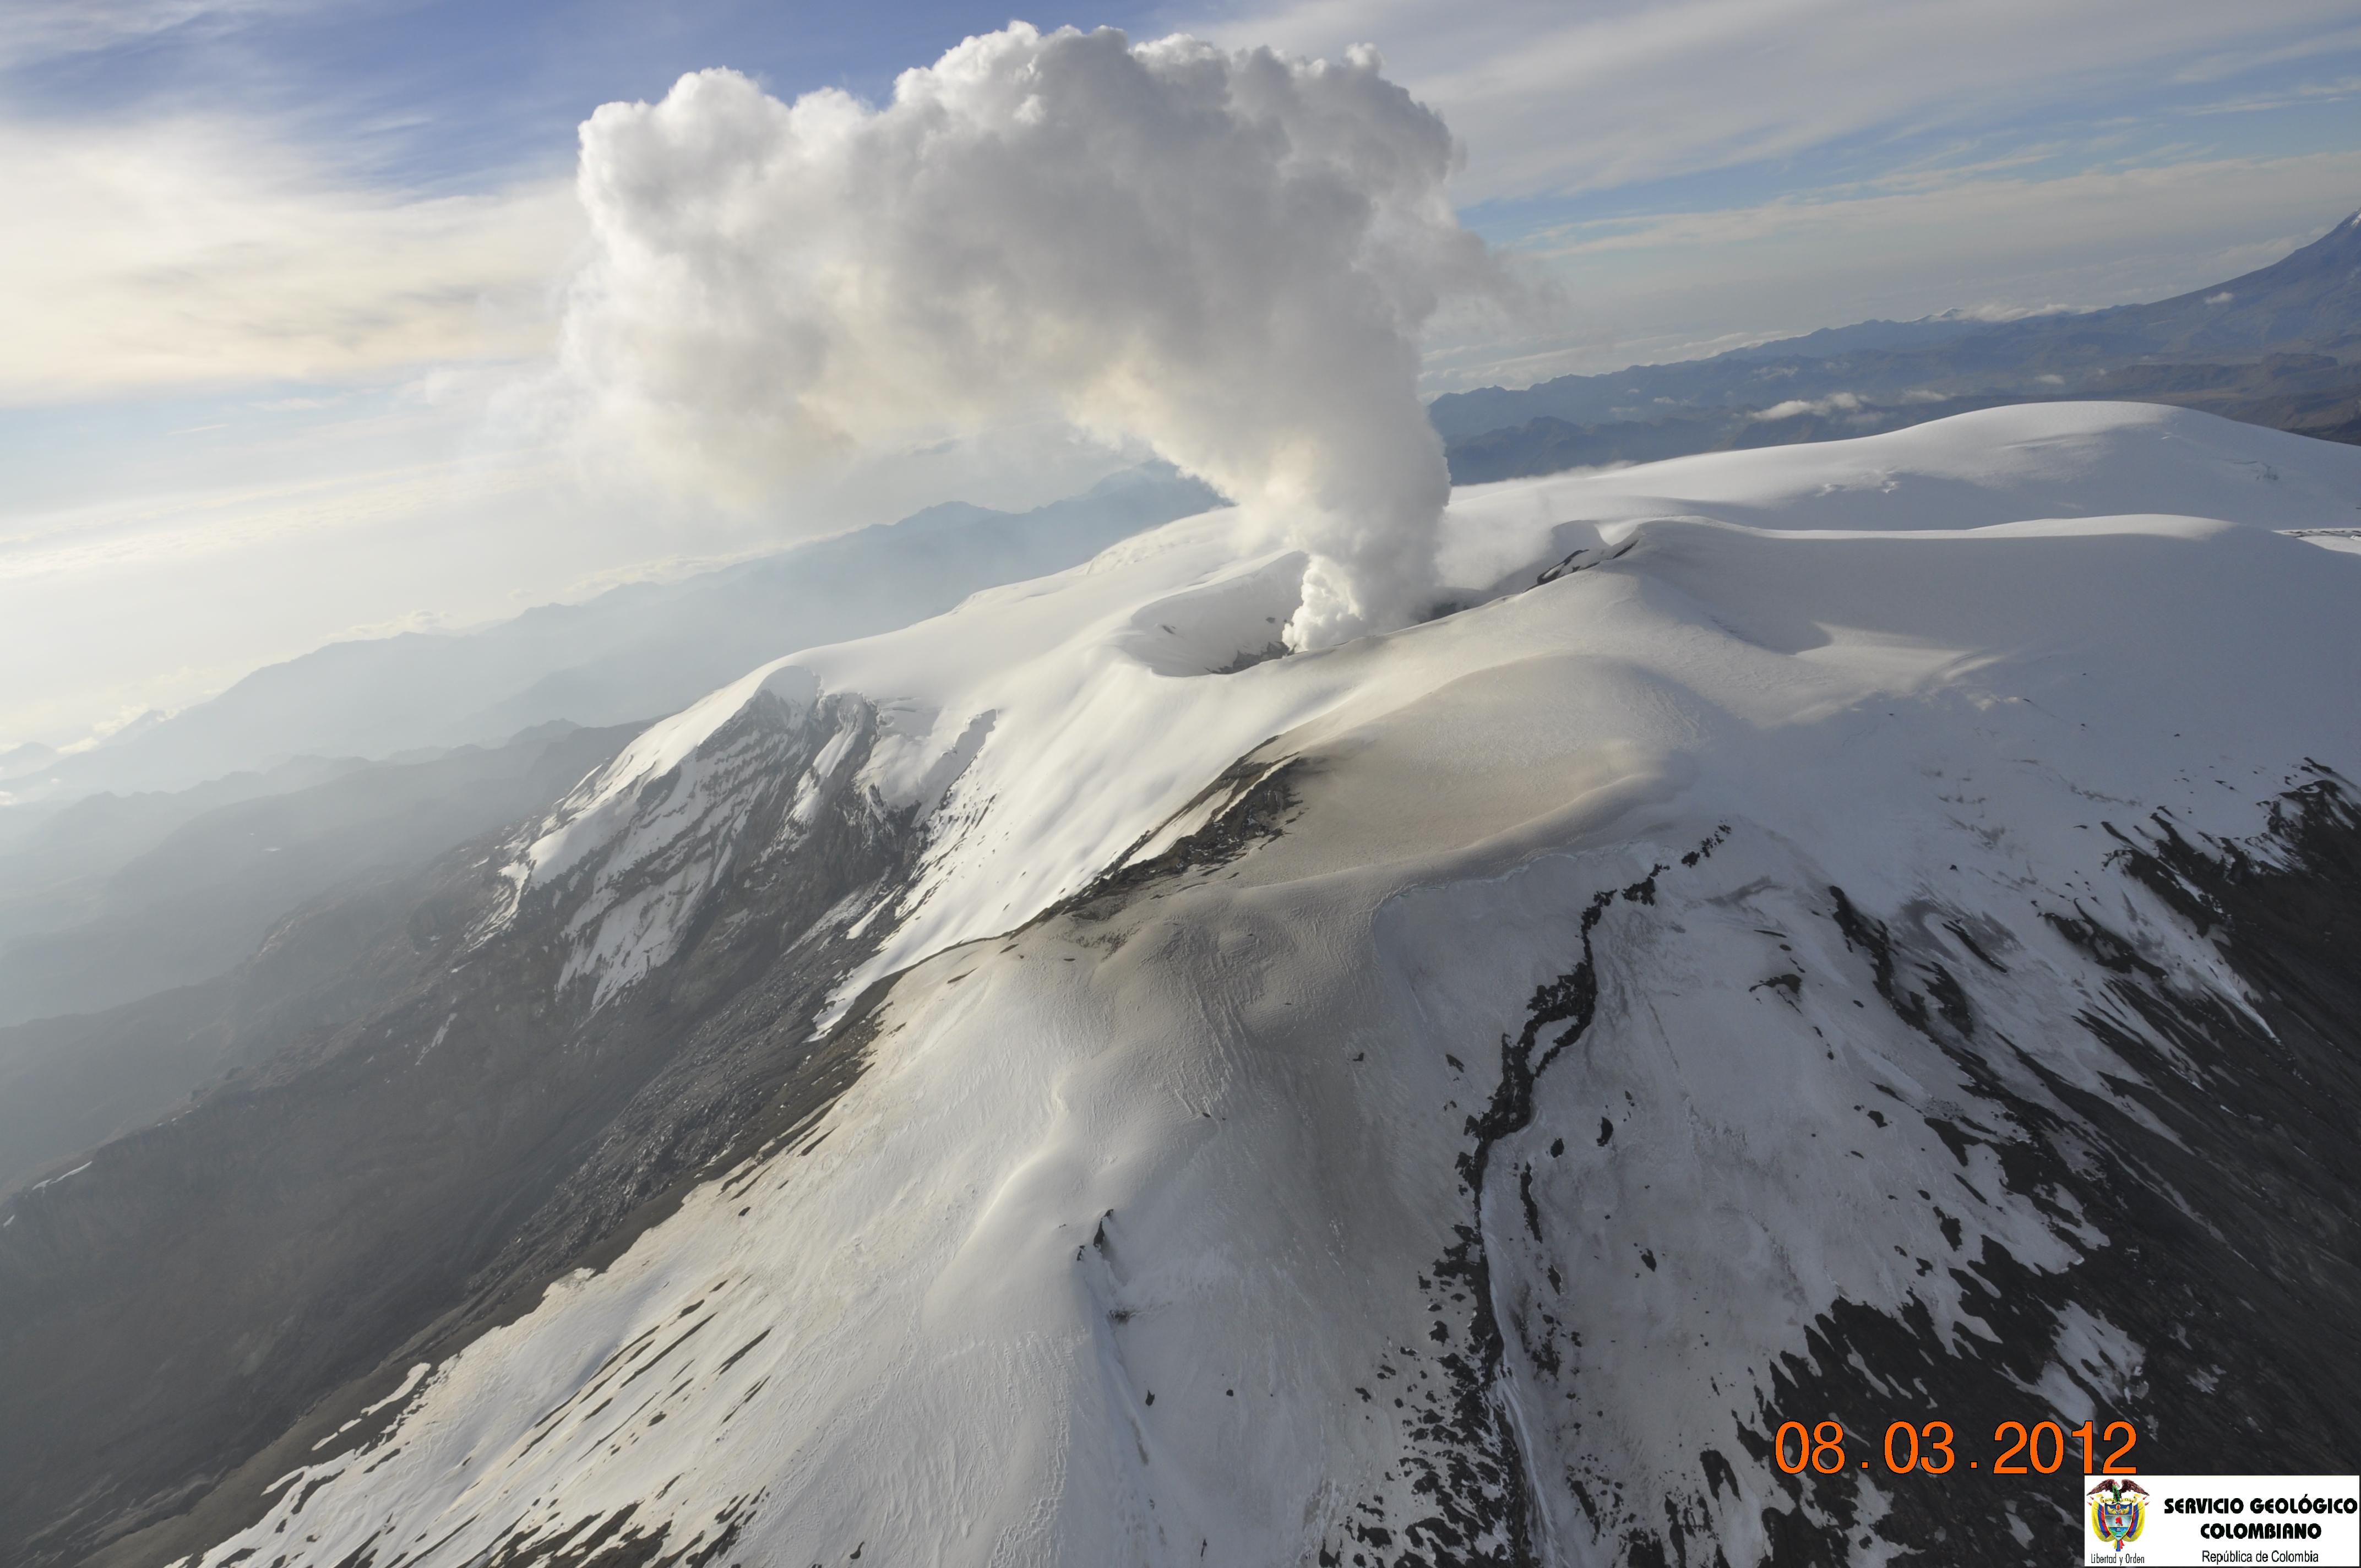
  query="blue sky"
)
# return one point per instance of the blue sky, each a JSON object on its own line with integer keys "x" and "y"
{"x": 290, "y": 261}
{"x": 439, "y": 95}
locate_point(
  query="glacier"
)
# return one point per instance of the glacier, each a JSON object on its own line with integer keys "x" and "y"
{"x": 1753, "y": 953}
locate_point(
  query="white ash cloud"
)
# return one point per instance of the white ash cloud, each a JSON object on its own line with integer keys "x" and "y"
{"x": 1226, "y": 256}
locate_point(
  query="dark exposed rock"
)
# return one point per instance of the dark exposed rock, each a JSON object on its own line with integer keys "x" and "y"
{"x": 2233, "y": 1217}
{"x": 408, "y": 1157}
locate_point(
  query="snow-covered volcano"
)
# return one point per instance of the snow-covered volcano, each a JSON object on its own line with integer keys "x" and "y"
{"x": 1844, "y": 932}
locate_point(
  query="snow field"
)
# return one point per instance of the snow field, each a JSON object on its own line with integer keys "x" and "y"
{"x": 1204, "y": 1143}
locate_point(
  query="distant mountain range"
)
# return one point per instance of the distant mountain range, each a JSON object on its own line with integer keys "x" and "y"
{"x": 112, "y": 1004}
{"x": 2280, "y": 347}
{"x": 633, "y": 652}
{"x": 137, "y": 874}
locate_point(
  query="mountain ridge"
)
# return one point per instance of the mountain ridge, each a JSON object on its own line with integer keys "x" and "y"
{"x": 2273, "y": 346}
{"x": 1450, "y": 1096}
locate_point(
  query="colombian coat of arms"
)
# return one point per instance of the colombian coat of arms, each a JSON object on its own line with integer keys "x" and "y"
{"x": 2118, "y": 1511}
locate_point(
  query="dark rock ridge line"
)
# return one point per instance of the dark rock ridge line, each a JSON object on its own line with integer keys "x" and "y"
{"x": 1465, "y": 1469}
{"x": 2231, "y": 1256}
{"x": 2233, "y": 1259}
{"x": 383, "y": 1178}
{"x": 1252, "y": 800}
{"x": 2233, "y": 1228}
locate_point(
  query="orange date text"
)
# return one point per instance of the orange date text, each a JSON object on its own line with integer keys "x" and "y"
{"x": 1931, "y": 1448}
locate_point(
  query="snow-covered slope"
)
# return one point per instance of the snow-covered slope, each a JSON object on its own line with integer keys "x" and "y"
{"x": 1068, "y": 710}
{"x": 1451, "y": 1097}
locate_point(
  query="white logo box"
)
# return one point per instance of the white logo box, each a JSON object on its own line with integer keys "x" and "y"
{"x": 2226, "y": 1521}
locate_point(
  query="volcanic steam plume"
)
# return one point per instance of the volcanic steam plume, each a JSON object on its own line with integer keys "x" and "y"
{"x": 1227, "y": 257}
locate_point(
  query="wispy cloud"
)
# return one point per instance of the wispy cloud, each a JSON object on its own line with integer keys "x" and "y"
{"x": 1990, "y": 246}
{"x": 206, "y": 251}
{"x": 2114, "y": 206}
{"x": 2303, "y": 93}
{"x": 356, "y": 222}
{"x": 1552, "y": 99}
{"x": 35, "y": 30}
{"x": 2238, "y": 58}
